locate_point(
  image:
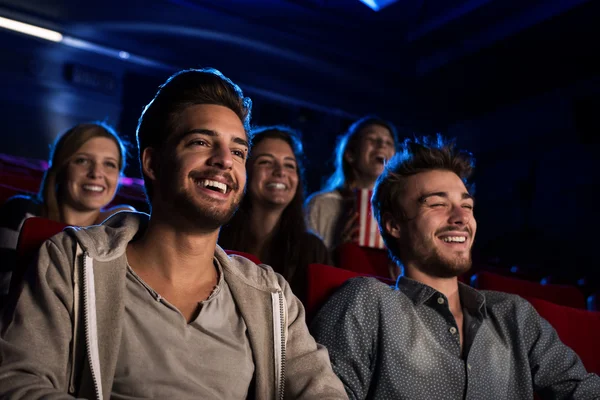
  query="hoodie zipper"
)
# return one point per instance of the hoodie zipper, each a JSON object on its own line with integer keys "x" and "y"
{"x": 87, "y": 293}
{"x": 282, "y": 344}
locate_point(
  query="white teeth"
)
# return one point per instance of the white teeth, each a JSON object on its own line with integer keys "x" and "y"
{"x": 93, "y": 188}
{"x": 458, "y": 239}
{"x": 279, "y": 186}
{"x": 214, "y": 184}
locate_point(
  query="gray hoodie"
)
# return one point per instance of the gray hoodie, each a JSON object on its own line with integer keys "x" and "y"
{"x": 62, "y": 339}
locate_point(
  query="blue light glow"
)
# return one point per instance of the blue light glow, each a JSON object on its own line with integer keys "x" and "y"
{"x": 377, "y": 5}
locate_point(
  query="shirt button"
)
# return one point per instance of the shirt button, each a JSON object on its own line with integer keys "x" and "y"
{"x": 452, "y": 330}
{"x": 440, "y": 300}
{"x": 469, "y": 366}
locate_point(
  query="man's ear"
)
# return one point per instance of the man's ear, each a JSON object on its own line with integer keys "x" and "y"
{"x": 149, "y": 163}
{"x": 349, "y": 157}
{"x": 391, "y": 226}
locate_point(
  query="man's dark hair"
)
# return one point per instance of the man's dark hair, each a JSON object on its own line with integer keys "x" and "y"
{"x": 344, "y": 174}
{"x": 415, "y": 156}
{"x": 186, "y": 88}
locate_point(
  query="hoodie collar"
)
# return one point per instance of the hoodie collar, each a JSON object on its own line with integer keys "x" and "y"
{"x": 108, "y": 241}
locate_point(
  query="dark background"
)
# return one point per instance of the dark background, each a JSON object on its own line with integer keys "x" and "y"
{"x": 516, "y": 82}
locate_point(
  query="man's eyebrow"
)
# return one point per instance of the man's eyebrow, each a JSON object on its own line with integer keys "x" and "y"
{"x": 434, "y": 194}
{"x": 464, "y": 196}
{"x": 209, "y": 132}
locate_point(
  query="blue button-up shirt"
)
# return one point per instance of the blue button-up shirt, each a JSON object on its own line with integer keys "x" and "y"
{"x": 403, "y": 343}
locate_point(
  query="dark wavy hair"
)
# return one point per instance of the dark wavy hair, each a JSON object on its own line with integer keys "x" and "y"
{"x": 344, "y": 174}
{"x": 63, "y": 150}
{"x": 285, "y": 247}
{"x": 415, "y": 156}
{"x": 186, "y": 88}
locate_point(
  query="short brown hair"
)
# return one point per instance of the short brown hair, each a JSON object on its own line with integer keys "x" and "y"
{"x": 65, "y": 146}
{"x": 182, "y": 90}
{"x": 415, "y": 156}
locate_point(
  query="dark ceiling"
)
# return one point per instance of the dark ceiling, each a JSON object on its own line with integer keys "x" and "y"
{"x": 418, "y": 61}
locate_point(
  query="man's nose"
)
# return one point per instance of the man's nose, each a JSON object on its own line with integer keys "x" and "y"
{"x": 221, "y": 158}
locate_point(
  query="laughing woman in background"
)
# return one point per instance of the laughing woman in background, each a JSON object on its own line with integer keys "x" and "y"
{"x": 85, "y": 165}
{"x": 270, "y": 222}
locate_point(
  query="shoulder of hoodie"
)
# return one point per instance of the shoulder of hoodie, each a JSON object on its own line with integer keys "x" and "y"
{"x": 258, "y": 276}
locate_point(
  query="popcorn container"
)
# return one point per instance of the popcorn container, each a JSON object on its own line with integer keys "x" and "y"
{"x": 369, "y": 235}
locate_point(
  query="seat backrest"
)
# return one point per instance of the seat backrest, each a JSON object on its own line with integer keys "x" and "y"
{"x": 565, "y": 295}
{"x": 34, "y": 232}
{"x": 6, "y": 192}
{"x": 576, "y": 328}
{"x": 363, "y": 260}
{"x": 323, "y": 281}
{"x": 249, "y": 256}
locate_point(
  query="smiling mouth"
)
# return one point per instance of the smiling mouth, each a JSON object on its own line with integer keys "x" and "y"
{"x": 93, "y": 188}
{"x": 219, "y": 187}
{"x": 380, "y": 160}
{"x": 454, "y": 239}
{"x": 278, "y": 186}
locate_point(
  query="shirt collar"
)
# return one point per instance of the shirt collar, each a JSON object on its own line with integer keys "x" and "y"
{"x": 419, "y": 293}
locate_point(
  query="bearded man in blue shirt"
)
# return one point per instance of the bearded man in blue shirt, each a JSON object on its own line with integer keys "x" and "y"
{"x": 430, "y": 336}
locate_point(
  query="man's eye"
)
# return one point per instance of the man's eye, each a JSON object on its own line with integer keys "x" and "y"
{"x": 437, "y": 205}
{"x": 198, "y": 142}
{"x": 239, "y": 153}
{"x": 468, "y": 206}
{"x": 111, "y": 165}
{"x": 264, "y": 162}
{"x": 291, "y": 166}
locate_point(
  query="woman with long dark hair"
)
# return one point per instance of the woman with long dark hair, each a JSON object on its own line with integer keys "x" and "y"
{"x": 270, "y": 222}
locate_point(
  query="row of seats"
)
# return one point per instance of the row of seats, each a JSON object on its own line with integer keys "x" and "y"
{"x": 576, "y": 327}
{"x": 375, "y": 262}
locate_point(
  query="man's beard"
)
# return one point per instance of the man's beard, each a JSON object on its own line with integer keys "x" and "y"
{"x": 426, "y": 257}
{"x": 208, "y": 216}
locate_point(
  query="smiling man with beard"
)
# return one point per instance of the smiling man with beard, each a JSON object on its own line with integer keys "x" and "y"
{"x": 430, "y": 336}
{"x": 149, "y": 306}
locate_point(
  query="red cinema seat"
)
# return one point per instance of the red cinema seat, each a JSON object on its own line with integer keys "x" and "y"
{"x": 576, "y": 328}
{"x": 363, "y": 260}
{"x": 564, "y": 295}
{"x": 34, "y": 232}
{"x": 323, "y": 281}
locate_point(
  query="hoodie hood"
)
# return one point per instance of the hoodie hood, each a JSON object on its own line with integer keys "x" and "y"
{"x": 108, "y": 241}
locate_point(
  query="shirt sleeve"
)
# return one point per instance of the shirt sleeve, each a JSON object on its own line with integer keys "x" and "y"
{"x": 36, "y": 331}
{"x": 350, "y": 332}
{"x": 556, "y": 370}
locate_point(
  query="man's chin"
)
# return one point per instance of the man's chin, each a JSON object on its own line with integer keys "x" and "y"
{"x": 444, "y": 268}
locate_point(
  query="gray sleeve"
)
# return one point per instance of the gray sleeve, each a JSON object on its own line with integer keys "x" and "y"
{"x": 36, "y": 331}
{"x": 556, "y": 370}
{"x": 308, "y": 370}
{"x": 350, "y": 333}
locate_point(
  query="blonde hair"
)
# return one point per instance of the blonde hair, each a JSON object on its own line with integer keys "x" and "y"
{"x": 63, "y": 150}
